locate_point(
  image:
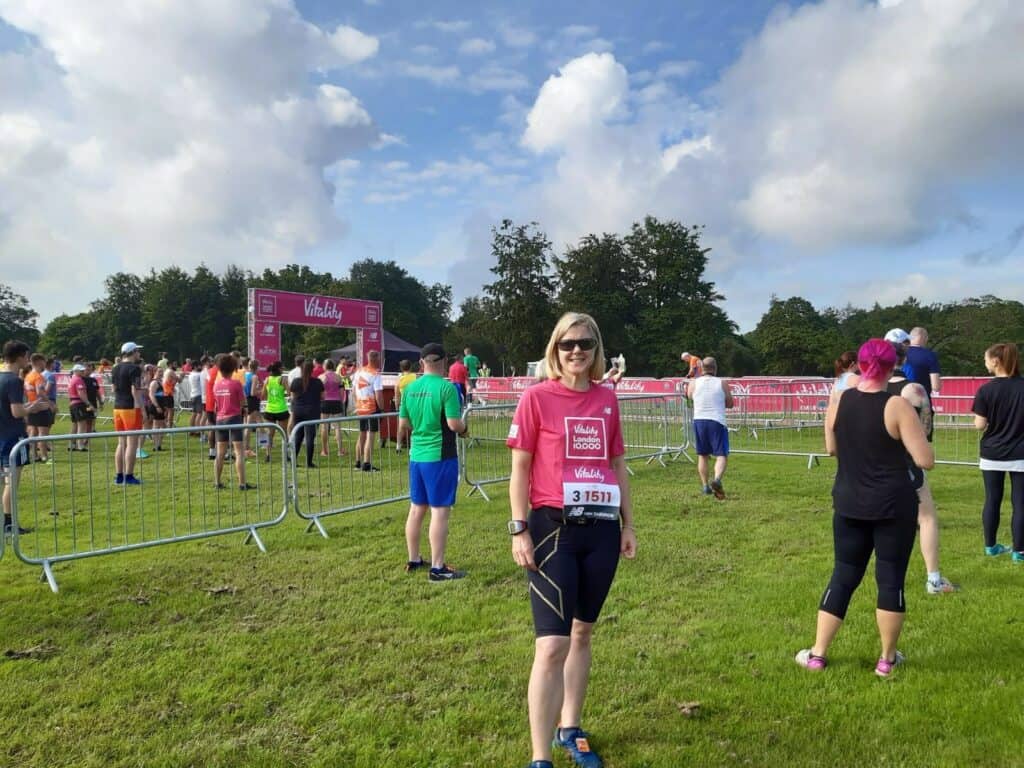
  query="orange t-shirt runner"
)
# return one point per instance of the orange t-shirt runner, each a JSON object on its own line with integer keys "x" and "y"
{"x": 366, "y": 383}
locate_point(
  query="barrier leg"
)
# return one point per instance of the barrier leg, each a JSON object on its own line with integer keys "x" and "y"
{"x": 315, "y": 523}
{"x": 812, "y": 461}
{"x": 478, "y": 489}
{"x": 48, "y": 576}
{"x": 254, "y": 537}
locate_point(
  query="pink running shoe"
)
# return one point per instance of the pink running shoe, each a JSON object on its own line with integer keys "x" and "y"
{"x": 885, "y": 668}
{"x": 808, "y": 660}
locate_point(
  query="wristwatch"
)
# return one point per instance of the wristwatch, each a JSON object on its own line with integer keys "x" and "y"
{"x": 515, "y": 527}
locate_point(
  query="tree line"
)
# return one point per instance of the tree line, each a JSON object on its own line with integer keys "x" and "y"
{"x": 646, "y": 288}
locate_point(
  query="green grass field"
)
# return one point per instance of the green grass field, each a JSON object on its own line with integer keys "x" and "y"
{"x": 325, "y": 653}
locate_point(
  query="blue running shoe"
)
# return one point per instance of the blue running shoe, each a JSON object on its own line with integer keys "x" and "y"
{"x": 996, "y": 550}
{"x": 576, "y": 742}
{"x": 541, "y": 764}
{"x": 1017, "y": 557}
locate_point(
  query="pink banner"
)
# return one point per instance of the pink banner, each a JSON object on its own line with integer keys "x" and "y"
{"x": 306, "y": 309}
{"x": 265, "y": 342}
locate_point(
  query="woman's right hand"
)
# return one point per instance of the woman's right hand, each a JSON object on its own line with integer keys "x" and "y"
{"x": 522, "y": 551}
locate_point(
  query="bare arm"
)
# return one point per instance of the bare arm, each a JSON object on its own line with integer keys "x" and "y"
{"x": 627, "y": 544}
{"x": 917, "y": 396}
{"x": 936, "y": 381}
{"x": 728, "y": 394}
{"x": 980, "y": 423}
{"x": 519, "y": 500}
{"x": 830, "y": 423}
{"x": 902, "y": 423}
{"x": 458, "y": 426}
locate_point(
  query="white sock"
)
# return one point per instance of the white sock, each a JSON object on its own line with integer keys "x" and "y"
{"x": 934, "y": 577}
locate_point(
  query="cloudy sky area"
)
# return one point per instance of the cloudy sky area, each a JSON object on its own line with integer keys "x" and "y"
{"x": 847, "y": 151}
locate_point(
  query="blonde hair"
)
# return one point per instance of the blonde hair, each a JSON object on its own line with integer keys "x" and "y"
{"x": 565, "y": 322}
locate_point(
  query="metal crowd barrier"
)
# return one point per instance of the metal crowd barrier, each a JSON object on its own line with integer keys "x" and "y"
{"x": 645, "y": 427}
{"x": 680, "y": 416}
{"x": 785, "y": 424}
{"x": 484, "y": 457}
{"x": 334, "y": 485}
{"x": 71, "y": 509}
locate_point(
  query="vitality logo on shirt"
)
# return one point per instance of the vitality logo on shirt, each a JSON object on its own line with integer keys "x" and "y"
{"x": 585, "y": 438}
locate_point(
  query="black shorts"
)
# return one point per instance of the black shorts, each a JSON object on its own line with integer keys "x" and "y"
{"x": 275, "y": 417}
{"x": 252, "y": 404}
{"x": 41, "y": 419}
{"x": 234, "y": 435}
{"x": 211, "y": 417}
{"x": 166, "y": 402}
{"x": 576, "y": 566}
{"x": 154, "y": 412}
{"x": 80, "y": 412}
{"x": 369, "y": 425}
{"x": 197, "y": 405}
{"x": 330, "y": 407}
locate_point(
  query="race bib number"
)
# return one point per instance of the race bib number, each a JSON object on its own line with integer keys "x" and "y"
{"x": 591, "y": 492}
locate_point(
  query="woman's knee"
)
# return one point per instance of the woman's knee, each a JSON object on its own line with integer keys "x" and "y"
{"x": 552, "y": 649}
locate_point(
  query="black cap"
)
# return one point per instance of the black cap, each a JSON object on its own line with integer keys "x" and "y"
{"x": 434, "y": 350}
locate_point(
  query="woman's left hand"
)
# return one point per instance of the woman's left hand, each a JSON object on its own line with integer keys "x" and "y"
{"x": 627, "y": 543}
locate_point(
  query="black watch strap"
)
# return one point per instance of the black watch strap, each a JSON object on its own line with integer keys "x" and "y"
{"x": 515, "y": 527}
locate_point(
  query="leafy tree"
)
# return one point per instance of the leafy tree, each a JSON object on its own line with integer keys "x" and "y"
{"x": 17, "y": 318}
{"x": 70, "y": 335}
{"x": 677, "y": 307}
{"x": 412, "y": 310}
{"x": 120, "y": 312}
{"x": 598, "y": 276}
{"x": 163, "y": 323}
{"x": 793, "y": 339}
{"x": 523, "y": 292}
{"x": 476, "y": 328}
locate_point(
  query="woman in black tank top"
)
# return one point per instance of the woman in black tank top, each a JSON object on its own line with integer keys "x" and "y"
{"x": 870, "y": 432}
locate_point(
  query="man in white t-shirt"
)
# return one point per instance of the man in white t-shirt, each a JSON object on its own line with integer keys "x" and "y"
{"x": 711, "y": 396}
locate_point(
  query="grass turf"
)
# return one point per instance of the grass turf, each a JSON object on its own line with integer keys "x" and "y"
{"x": 325, "y": 653}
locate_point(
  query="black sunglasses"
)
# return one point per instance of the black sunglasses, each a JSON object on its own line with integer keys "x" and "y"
{"x": 568, "y": 345}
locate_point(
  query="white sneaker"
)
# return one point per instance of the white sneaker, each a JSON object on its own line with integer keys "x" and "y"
{"x": 941, "y": 587}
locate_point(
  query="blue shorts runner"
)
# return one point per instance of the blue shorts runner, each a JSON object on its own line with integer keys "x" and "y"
{"x": 20, "y": 458}
{"x": 434, "y": 482}
{"x": 712, "y": 437}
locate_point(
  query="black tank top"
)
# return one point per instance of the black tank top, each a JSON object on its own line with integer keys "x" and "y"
{"x": 872, "y": 482}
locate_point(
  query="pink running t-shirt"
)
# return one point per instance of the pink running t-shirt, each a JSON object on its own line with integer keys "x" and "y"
{"x": 76, "y": 390}
{"x": 570, "y": 434}
{"x": 228, "y": 395}
{"x": 332, "y": 385}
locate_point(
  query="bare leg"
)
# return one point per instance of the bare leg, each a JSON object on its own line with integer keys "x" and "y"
{"x": 702, "y": 470}
{"x": 720, "y": 462}
{"x": 44, "y": 448}
{"x": 890, "y": 624}
{"x": 576, "y": 673}
{"x": 413, "y": 528}
{"x": 546, "y": 690}
{"x": 325, "y": 438}
{"x": 132, "y": 447}
{"x": 119, "y": 454}
{"x": 828, "y": 626}
{"x": 239, "y": 447}
{"x": 928, "y": 525}
{"x": 341, "y": 445}
{"x": 218, "y": 464}
{"x": 438, "y": 535}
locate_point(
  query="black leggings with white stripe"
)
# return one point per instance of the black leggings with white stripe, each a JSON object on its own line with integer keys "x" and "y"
{"x": 891, "y": 540}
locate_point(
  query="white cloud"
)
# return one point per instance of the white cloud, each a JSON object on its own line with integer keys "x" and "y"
{"x": 453, "y": 26}
{"x": 476, "y": 46}
{"x": 586, "y": 92}
{"x": 678, "y": 69}
{"x": 353, "y": 45}
{"x": 386, "y": 198}
{"x": 579, "y": 30}
{"x": 137, "y": 140}
{"x": 515, "y": 36}
{"x": 655, "y": 46}
{"x": 493, "y": 77}
{"x": 438, "y": 75}
{"x": 841, "y": 126}
{"x": 424, "y": 50}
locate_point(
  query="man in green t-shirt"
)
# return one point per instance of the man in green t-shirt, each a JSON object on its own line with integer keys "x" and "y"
{"x": 472, "y": 363}
{"x": 430, "y": 409}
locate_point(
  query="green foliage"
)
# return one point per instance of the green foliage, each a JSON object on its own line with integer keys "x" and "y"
{"x": 69, "y": 335}
{"x": 17, "y": 318}
{"x": 476, "y": 329}
{"x": 522, "y": 295}
{"x": 793, "y": 338}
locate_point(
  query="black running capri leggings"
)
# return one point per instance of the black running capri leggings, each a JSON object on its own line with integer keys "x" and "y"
{"x": 575, "y": 568}
{"x": 891, "y": 540}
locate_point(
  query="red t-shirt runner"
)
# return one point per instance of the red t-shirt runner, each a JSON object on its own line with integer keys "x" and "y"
{"x": 573, "y": 437}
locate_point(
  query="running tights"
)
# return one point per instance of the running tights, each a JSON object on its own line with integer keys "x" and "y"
{"x": 307, "y": 433}
{"x": 891, "y": 540}
{"x": 994, "y": 484}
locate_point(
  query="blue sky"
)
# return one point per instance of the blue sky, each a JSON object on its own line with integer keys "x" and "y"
{"x": 847, "y": 151}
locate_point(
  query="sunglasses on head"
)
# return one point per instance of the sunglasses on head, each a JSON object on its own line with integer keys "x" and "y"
{"x": 568, "y": 345}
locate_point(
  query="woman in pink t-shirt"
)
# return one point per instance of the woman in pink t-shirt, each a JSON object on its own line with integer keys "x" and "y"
{"x": 229, "y": 405}
{"x": 571, "y": 519}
